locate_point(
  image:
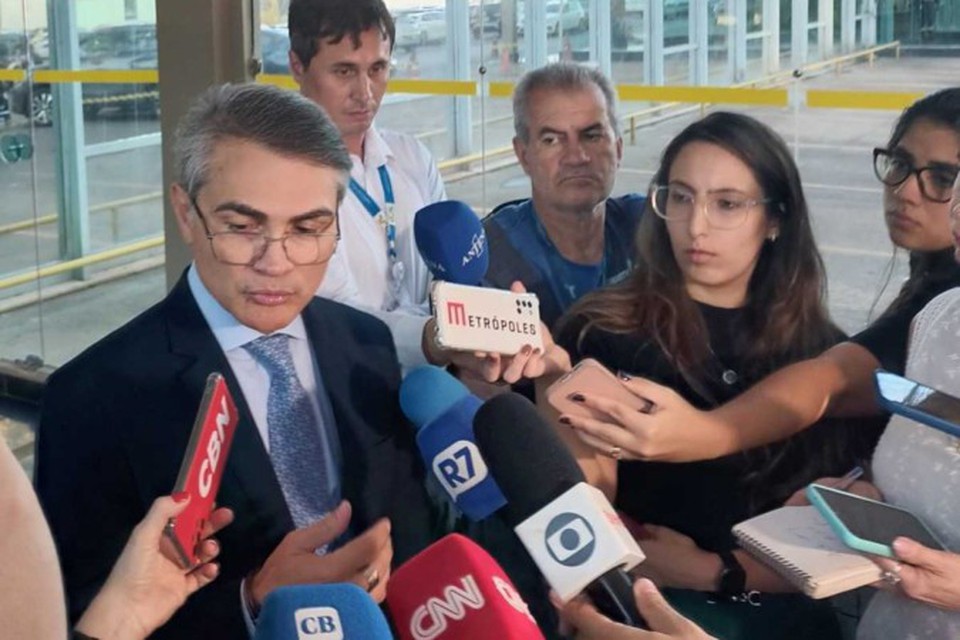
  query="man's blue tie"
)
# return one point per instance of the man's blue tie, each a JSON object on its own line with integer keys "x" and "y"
{"x": 296, "y": 448}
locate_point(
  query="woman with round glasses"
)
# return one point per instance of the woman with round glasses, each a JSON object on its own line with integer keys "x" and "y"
{"x": 912, "y": 466}
{"x": 728, "y": 287}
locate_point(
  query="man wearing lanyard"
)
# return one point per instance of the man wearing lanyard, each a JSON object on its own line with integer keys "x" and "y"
{"x": 340, "y": 58}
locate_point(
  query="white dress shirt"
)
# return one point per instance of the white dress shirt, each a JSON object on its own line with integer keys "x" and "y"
{"x": 359, "y": 272}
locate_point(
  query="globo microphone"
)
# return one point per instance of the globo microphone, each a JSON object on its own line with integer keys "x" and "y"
{"x": 442, "y": 410}
{"x": 452, "y": 242}
{"x": 454, "y": 590}
{"x": 321, "y": 612}
{"x": 569, "y": 528}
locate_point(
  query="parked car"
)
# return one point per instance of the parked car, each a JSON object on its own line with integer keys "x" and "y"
{"x": 121, "y": 47}
{"x": 420, "y": 27}
{"x": 488, "y": 20}
{"x": 563, "y": 16}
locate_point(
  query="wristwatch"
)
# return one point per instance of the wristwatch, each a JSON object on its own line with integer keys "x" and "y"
{"x": 733, "y": 579}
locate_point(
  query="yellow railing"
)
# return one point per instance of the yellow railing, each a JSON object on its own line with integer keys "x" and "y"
{"x": 669, "y": 97}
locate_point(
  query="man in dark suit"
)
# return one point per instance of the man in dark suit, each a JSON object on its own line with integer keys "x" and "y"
{"x": 261, "y": 175}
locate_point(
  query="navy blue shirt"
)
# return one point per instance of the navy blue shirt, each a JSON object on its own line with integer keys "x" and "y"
{"x": 521, "y": 250}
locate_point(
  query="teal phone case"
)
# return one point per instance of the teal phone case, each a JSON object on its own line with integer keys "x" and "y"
{"x": 849, "y": 539}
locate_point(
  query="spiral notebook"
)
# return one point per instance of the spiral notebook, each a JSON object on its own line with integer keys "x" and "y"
{"x": 797, "y": 543}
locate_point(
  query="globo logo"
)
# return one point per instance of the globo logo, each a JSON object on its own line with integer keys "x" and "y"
{"x": 570, "y": 539}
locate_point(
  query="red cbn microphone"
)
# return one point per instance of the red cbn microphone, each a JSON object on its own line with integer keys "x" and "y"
{"x": 453, "y": 589}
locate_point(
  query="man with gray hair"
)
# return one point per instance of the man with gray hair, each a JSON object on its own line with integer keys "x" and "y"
{"x": 325, "y": 487}
{"x": 570, "y": 237}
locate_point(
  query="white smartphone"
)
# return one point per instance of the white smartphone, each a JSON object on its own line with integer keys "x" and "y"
{"x": 483, "y": 319}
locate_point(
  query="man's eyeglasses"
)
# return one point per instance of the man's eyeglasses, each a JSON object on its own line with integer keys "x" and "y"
{"x": 936, "y": 181}
{"x": 244, "y": 248}
{"x": 724, "y": 211}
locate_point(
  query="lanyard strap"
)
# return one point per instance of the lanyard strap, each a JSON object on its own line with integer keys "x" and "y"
{"x": 387, "y": 219}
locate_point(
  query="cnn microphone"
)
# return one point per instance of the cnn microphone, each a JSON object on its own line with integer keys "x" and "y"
{"x": 341, "y": 611}
{"x": 454, "y": 590}
{"x": 452, "y": 242}
{"x": 442, "y": 409}
{"x": 569, "y": 528}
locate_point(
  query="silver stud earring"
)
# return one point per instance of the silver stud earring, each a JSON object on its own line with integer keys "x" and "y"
{"x": 772, "y": 237}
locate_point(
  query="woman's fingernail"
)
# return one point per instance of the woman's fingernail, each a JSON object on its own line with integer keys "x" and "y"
{"x": 180, "y": 496}
{"x": 526, "y": 349}
{"x": 564, "y": 420}
{"x": 576, "y": 397}
{"x": 623, "y": 375}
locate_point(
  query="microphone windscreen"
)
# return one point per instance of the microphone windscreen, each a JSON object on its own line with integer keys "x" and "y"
{"x": 321, "y": 611}
{"x": 451, "y": 240}
{"x": 454, "y": 590}
{"x": 427, "y": 392}
{"x": 530, "y": 463}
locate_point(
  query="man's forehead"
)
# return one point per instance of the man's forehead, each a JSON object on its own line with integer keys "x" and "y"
{"x": 552, "y": 107}
{"x": 373, "y": 41}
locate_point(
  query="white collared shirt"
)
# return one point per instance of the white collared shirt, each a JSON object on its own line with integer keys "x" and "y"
{"x": 359, "y": 272}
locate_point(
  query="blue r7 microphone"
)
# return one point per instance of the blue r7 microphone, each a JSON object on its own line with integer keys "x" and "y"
{"x": 443, "y": 409}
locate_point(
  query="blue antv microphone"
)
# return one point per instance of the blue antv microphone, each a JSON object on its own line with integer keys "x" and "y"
{"x": 442, "y": 410}
{"x": 321, "y": 612}
{"x": 452, "y": 242}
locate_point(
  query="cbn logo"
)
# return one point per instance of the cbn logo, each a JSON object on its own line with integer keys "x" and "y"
{"x": 459, "y": 467}
{"x": 318, "y": 623}
{"x": 570, "y": 539}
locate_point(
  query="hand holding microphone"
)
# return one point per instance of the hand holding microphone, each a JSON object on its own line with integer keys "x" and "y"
{"x": 503, "y": 346}
{"x": 364, "y": 561}
{"x": 582, "y": 621}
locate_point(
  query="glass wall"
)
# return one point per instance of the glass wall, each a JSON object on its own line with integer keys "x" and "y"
{"x": 81, "y": 100}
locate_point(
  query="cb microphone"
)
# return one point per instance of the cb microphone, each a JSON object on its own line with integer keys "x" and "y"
{"x": 569, "y": 528}
{"x": 454, "y": 590}
{"x": 452, "y": 242}
{"x": 442, "y": 409}
{"x": 341, "y": 611}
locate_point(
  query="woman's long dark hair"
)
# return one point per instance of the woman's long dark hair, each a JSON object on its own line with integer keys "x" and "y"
{"x": 927, "y": 268}
{"x": 785, "y": 314}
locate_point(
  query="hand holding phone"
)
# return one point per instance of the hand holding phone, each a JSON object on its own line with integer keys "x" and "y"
{"x": 482, "y": 319}
{"x": 202, "y": 468}
{"x": 592, "y": 377}
{"x": 867, "y": 525}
